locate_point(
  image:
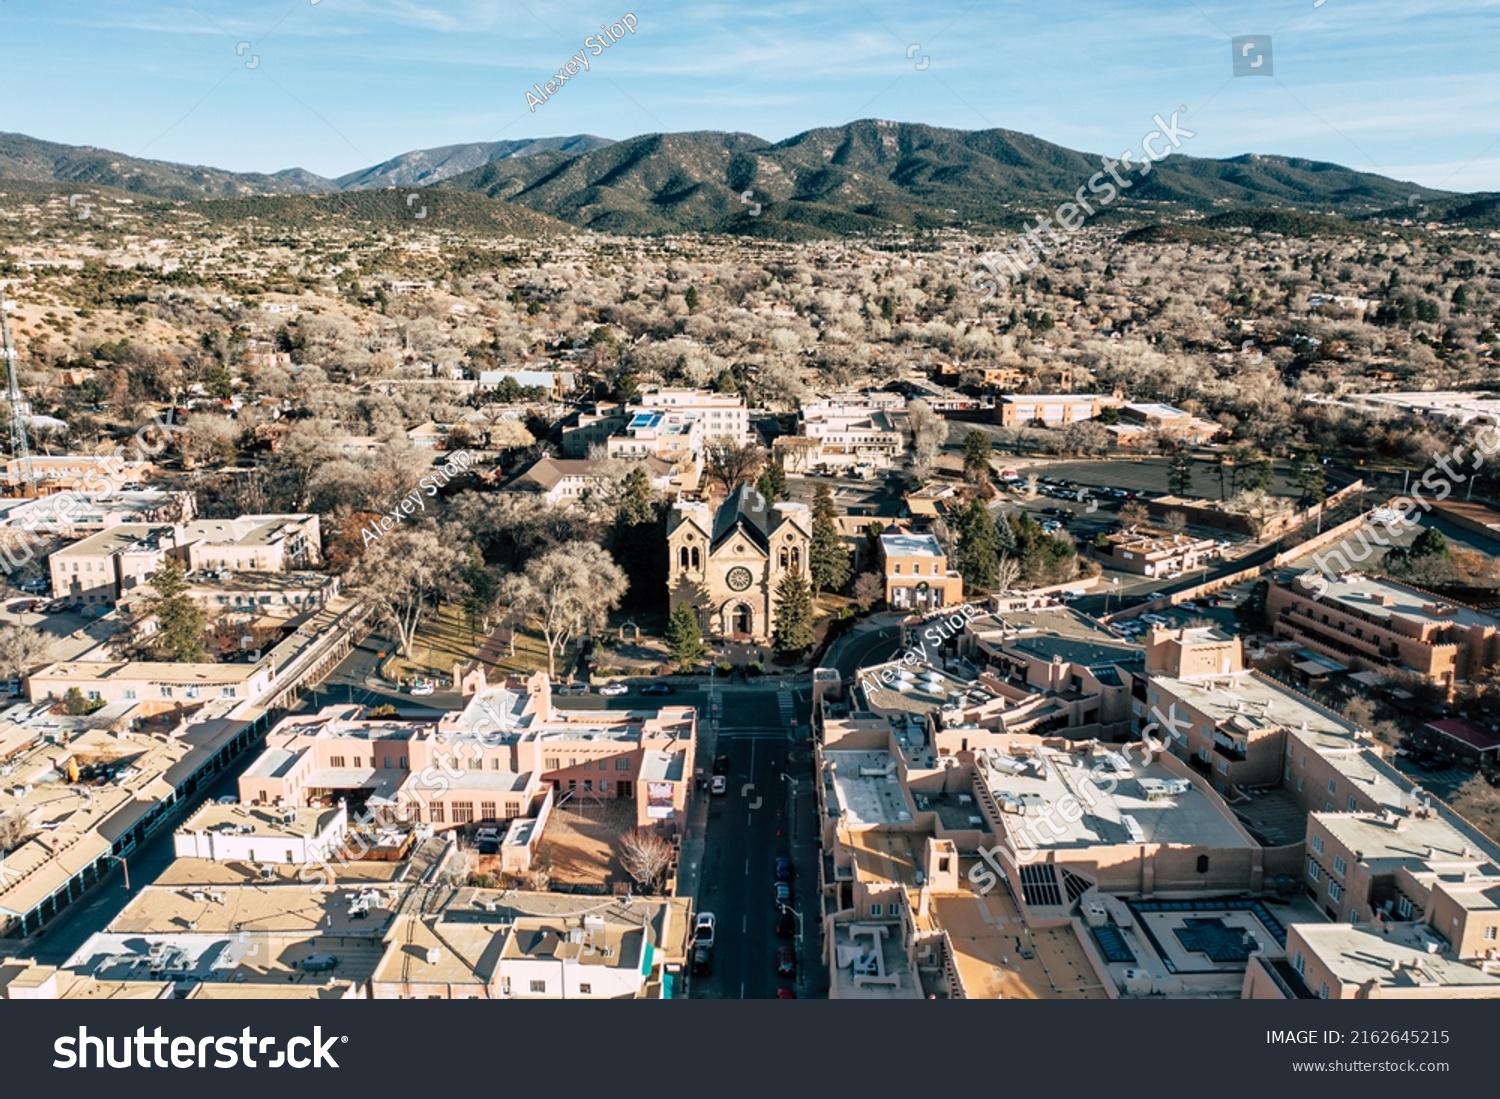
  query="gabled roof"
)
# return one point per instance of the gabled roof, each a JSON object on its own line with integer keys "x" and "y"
{"x": 747, "y": 511}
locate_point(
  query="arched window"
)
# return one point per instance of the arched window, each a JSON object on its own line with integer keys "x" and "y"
{"x": 682, "y": 557}
{"x": 695, "y": 557}
{"x": 784, "y": 557}
{"x": 796, "y": 559}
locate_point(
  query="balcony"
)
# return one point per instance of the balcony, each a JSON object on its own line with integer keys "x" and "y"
{"x": 1229, "y": 748}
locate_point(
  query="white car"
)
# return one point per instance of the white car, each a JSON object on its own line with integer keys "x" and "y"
{"x": 719, "y": 784}
{"x": 703, "y": 929}
{"x": 1189, "y": 606}
{"x": 1154, "y": 619}
{"x": 421, "y": 688}
{"x": 612, "y": 690}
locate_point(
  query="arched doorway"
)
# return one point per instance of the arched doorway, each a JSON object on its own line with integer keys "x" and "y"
{"x": 740, "y": 619}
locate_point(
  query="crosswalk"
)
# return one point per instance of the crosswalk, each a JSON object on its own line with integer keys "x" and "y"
{"x": 786, "y": 704}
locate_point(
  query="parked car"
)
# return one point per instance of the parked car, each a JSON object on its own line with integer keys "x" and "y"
{"x": 719, "y": 784}
{"x": 786, "y": 962}
{"x": 573, "y": 689}
{"x": 319, "y": 963}
{"x": 783, "y": 894}
{"x": 1188, "y": 606}
{"x": 783, "y": 869}
{"x": 421, "y": 687}
{"x": 614, "y": 690}
{"x": 721, "y": 765}
{"x": 57, "y": 606}
{"x": 785, "y": 994}
{"x": 703, "y": 959}
{"x": 658, "y": 689}
{"x": 703, "y": 929}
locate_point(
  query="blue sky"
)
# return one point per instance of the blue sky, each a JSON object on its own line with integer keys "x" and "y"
{"x": 1407, "y": 88}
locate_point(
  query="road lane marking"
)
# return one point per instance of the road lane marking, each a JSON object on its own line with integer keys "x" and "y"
{"x": 747, "y": 867}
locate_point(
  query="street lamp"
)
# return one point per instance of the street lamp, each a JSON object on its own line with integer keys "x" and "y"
{"x": 125, "y": 866}
{"x": 1114, "y": 585}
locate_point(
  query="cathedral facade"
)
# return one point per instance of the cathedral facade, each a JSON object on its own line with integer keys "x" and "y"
{"x": 727, "y": 564}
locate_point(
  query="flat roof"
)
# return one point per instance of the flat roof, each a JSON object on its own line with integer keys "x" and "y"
{"x": 1398, "y": 961}
{"x": 1151, "y": 803}
{"x": 1360, "y": 593}
{"x": 866, "y": 788}
{"x": 910, "y": 545}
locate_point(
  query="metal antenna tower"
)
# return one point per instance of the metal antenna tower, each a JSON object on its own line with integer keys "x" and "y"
{"x": 20, "y": 448}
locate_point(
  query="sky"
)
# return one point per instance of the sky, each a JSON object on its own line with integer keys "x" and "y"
{"x": 1406, "y": 88}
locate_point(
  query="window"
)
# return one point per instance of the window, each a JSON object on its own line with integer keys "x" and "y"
{"x": 1314, "y": 871}
{"x": 336, "y": 761}
{"x": 386, "y": 761}
{"x": 1299, "y": 963}
{"x": 1403, "y": 908}
{"x": 588, "y": 784}
{"x": 1223, "y": 767}
{"x": 1323, "y": 991}
{"x": 585, "y": 990}
{"x": 130, "y": 694}
{"x": 486, "y": 810}
{"x": 437, "y": 812}
{"x": 551, "y": 763}
{"x": 1317, "y": 844}
{"x": 512, "y": 808}
{"x": 1339, "y": 865}
{"x": 1332, "y": 786}
{"x": 1489, "y": 933}
{"x": 1352, "y": 803}
{"x": 896, "y": 568}
{"x": 226, "y": 692}
{"x": 463, "y": 812}
{"x": 495, "y": 763}
{"x": 1334, "y": 892}
{"x": 539, "y": 986}
{"x": 403, "y": 762}
{"x": 874, "y": 909}
{"x": 1302, "y": 760}
{"x": 622, "y": 764}
{"x": 1299, "y": 784}
{"x": 588, "y": 765}
{"x": 476, "y": 764}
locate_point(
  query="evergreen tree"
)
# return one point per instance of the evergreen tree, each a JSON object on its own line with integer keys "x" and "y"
{"x": 977, "y": 458}
{"x": 1005, "y": 536}
{"x": 1308, "y": 475}
{"x": 685, "y": 637}
{"x": 724, "y": 382}
{"x": 638, "y": 504}
{"x": 772, "y": 483}
{"x": 793, "y": 628}
{"x": 827, "y": 558}
{"x": 180, "y": 622}
{"x": 1180, "y": 472}
{"x": 978, "y": 548}
{"x": 481, "y": 592}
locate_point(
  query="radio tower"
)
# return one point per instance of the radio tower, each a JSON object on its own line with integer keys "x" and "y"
{"x": 20, "y": 449}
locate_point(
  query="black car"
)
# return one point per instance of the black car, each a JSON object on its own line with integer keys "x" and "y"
{"x": 721, "y": 765}
{"x": 658, "y": 689}
{"x": 703, "y": 959}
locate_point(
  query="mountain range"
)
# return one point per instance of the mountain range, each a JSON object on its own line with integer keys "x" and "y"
{"x": 865, "y": 176}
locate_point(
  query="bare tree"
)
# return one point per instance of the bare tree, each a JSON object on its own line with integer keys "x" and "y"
{"x": 567, "y": 591}
{"x": 22, "y": 648}
{"x": 15, "y": 829}
{"x": 869, "y": 589}
{"x": 929, "y": 431}
{"x": 646, "y": 857}
{"x": 401, "y": 573}
{"x": 730, "y": 463}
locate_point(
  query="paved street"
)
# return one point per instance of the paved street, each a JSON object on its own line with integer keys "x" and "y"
{"x": 767, "y": 813}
